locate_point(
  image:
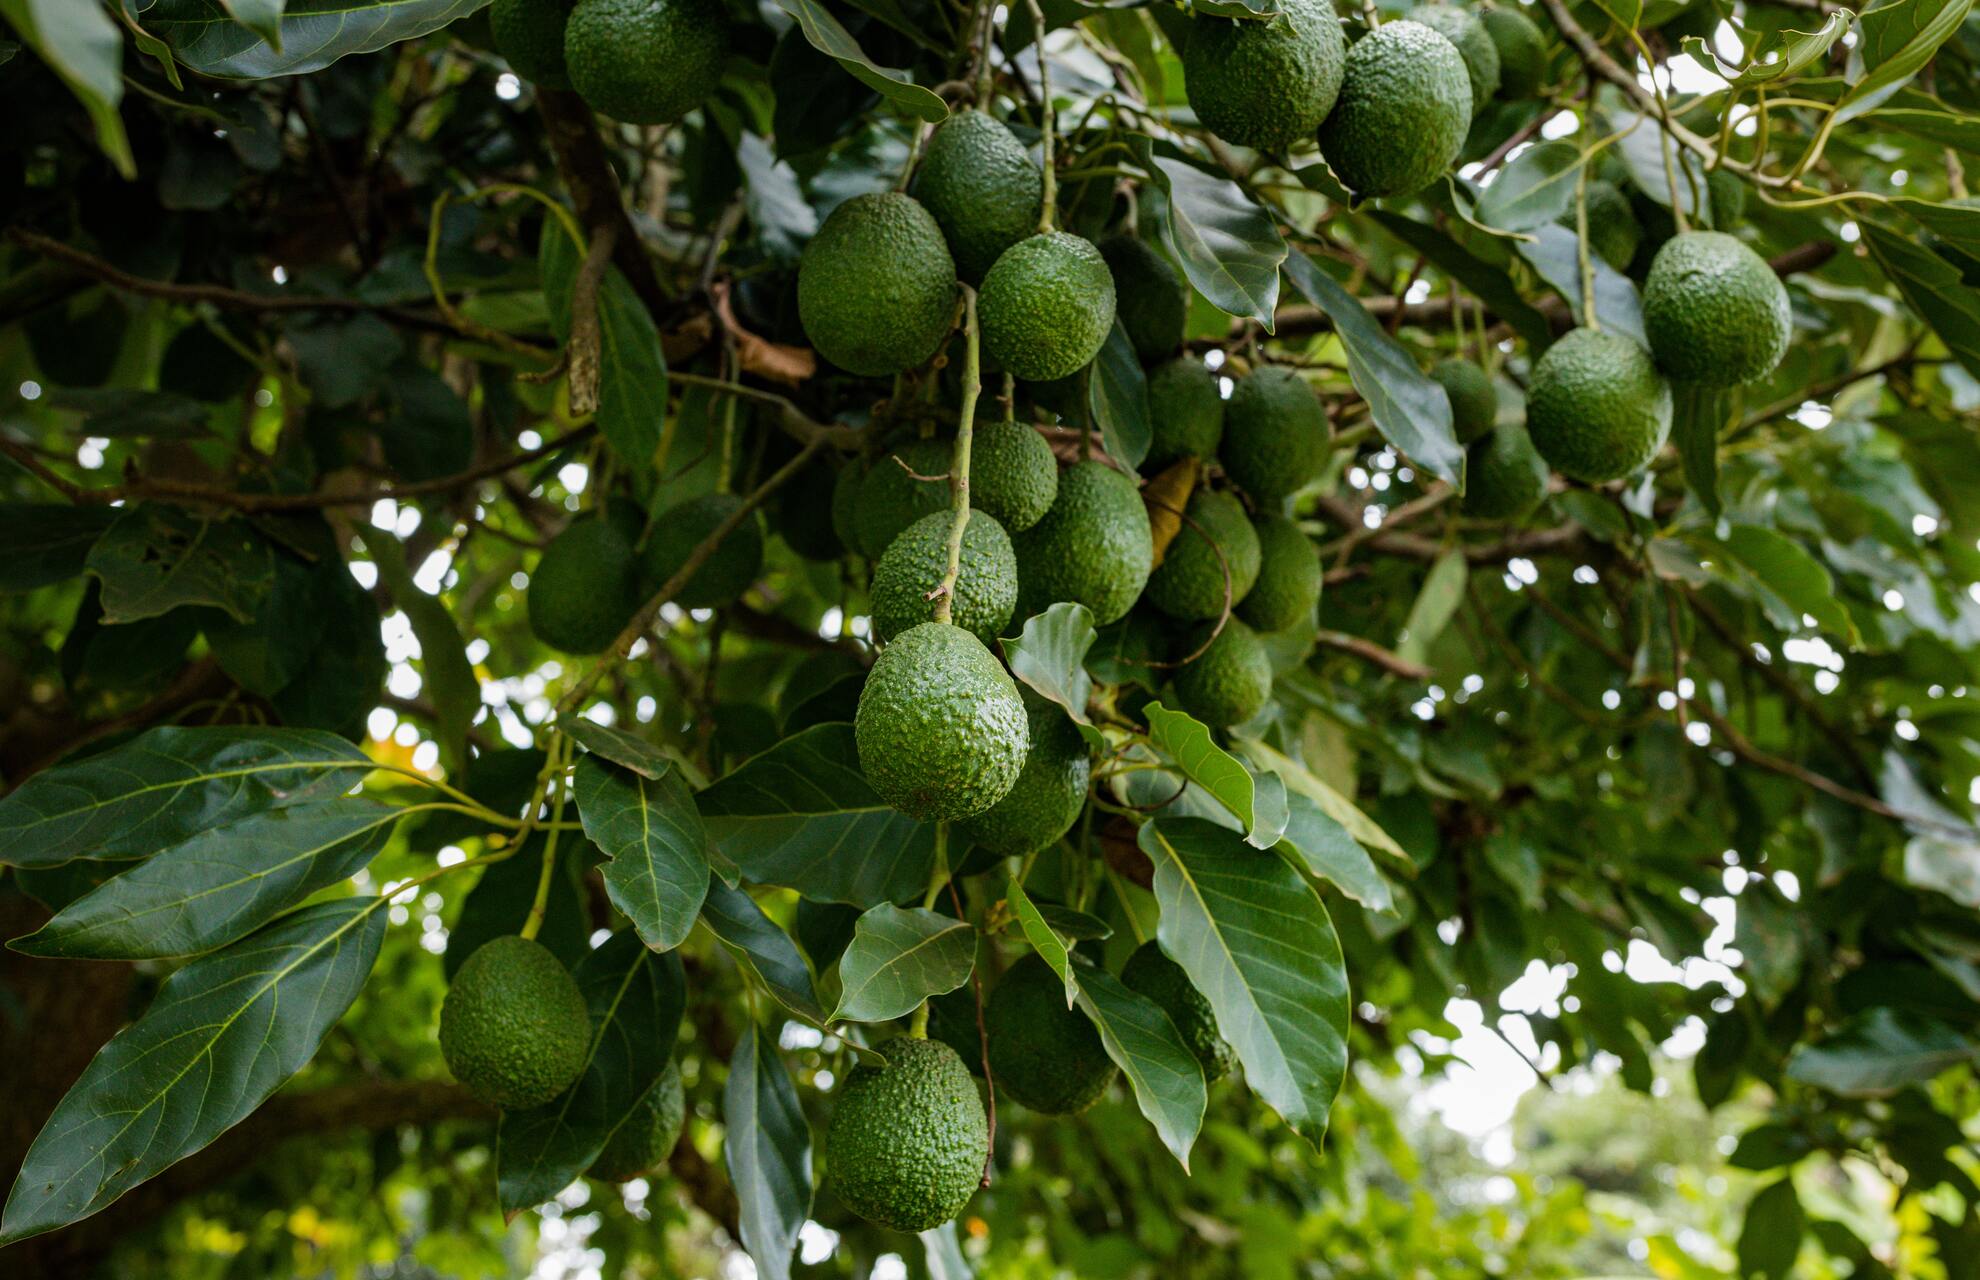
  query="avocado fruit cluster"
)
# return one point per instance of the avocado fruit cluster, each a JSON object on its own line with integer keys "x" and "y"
{"x": 1596, "y": 407}
{"x": 1714, "y": 311}
{"x": 1050, "y": 790}
{"x": 1404, "y": 108}
{"x": 941, "y": 732}
{"x": 1047, "y": 306}
{"x": 982, "y": 188}
{"x": 877, "y": 285}
{"x": 1265, "y": 85}
{"x": 514, "y": 1028}
{"x": 640, "y": 61}
{"x": 908, "y": 1141}
{"x": 911, "y": 570}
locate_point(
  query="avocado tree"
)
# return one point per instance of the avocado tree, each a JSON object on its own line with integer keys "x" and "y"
{"x": 837, "y": 638}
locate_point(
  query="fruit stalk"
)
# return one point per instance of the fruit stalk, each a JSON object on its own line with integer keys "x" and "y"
{"x": 1048, "y": 206}
{"x": 559, "y": 757}
{"x": 972, "y": 387}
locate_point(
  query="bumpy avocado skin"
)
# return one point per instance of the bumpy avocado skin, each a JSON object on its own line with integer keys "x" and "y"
{"x": 1522, "y": 49}
{"x": 1050, "y": 791}
{"x": 1231, "y": 682}
{"x": 1012, "y": 474}
{"x": 1505, "y": 478}
{"x": 908, "y": 1141}
{"x": 1613, "y": 231}
{"x": 1289, "y": 579}
{"x": 646, "y": 1137}
{"x": 725, "y": 575}
{"x": 1152, "y": 974}
{"x": 891, "y": 498}
{"x": 1596, "y": 407}
{"x": 941, "y": 731}
{"x": 585, "y": 588}
{"x": 529, "y": 34}
{"x": 1042, "y": 1054}
{"x": 1186, "y": 412}
{"x": 1404, "y": 109}
{"x": 1265, "y": 85}
{"x": 1149, "y": 296}
{"x": 514, "y": 1028}
{"x": 914, "y": 565}
{"x": 1473, "y": 42}
{"x": 983, "y": 188}
{"x": 1047, "y": 306}
{"x": 876, "y": 285}
{"x": 1275, "y": 433}
{"x": 1474, "y": 400}
{"x": 646, "y": 61}
{"x": 1714, "y": 311}
{"x": 1189, "y": 583}
{"x": 1094, "y": 547}
{"x": 1726, "y": 195}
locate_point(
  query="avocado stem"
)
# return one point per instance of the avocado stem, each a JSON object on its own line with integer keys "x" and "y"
{"x": 559, "y": 756}
{"x": 1048, "y": 207}
{"x": 972, "y": 387}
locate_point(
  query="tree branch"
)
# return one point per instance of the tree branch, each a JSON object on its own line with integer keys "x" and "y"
{"x": 587, "y": 172}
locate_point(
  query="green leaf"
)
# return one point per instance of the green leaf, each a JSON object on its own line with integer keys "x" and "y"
{"x": 1782, "y": 569}
{"x": 44, "y": 543}
{"x": 1626, "y": 13}
{"x": 446, "y": 675}
{"x": 1699, "y": 414}
{"x": 83, "y": 46}
{"x": 263, "y": 17}
{"x": 1535, "y": 187}
{"x": 1933, "y": 288}
{"x": 658, "y": 873}
{"x": 1259, "y": 803}
{"x": 1117, "y": 397}
{"x": 314, "y": 33}
{"x": 1077, "y": 925}
{"x": 1303, "y": 781}
{"x": 1957, "y": 223}
{"x": 898, "y": 958}
{"x": 501, "y": 900}
{"x": 618, "y": 746}
{"x": 124, "y": 413}
{"x": 635, "y": 998}
{"x": 1159, "y": 1065}
{"x": 1517, "y": 863}
{"x": 1437, "y": 602}
{"x": 1050, "y": 656}
{"x": 1044, "y": 939}
{"x": 1229, "y": 248}
{"x": 156, "y": 558}
{"x": 1330, "y": 852}
{"x": 1898, "y": 39}
{"x": 767, "y": 1145}
{"x": 1769, "y": 1146}
{"x": 1778, "y": 56}
{"x": 825, "y": 34}
{"x": 221, "y": 885}
{"x": 222, "y": 1034}
{"x": 1490, "y": 284}
{"x": 1552, "y": 253}
{"x": 1961, "y": 133}
{"x": 802, "y": 815}
{"x": 166, "y": 786}
{"x": 632, "y": 373}
{"x": 756, "y": 941}
{"x": 1880, "y": 1051}
{"x": 1771, "y": 1235}
{"x": 263, "y": 655}
{"x": 1410, "y": 410}
{"x": 1256, "y": 940}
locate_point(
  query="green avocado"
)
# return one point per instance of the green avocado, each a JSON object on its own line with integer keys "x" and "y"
{"x": 1522, "y": 49}
{"x": 1012, "y": 474}
{"x": 1404, "y": 109}
{"x": 1288, "y": 585}
{"x": 1505, "y": 477}
{"x": 1473, "y": 42}
{"x": 876, "y": 285}
{"x": 1714, "y": 311}
{"x": 1042, "y": 1054}
{"x": 892, "y": 497}
{"x": 646, "y": 1137}
{"x": 1474, "y": 400}
{"x": 529, "y": 34}
{"x": 1596, "y": 407}
{"x": 1150, "y": 973}
{"x": 1047, "y": 306}
{"x": 514, "y": 1028}
{"x": 646, "y": 61}
{"x": 585, "y": 587}
{"x": 1050, "y": 792}
{"x": 914, "y": 565}
{"x": 1613, "y": 231}
{"x": 1150, "y": 297}
{"x": 1726, "y": 195}
{"x": 1094, "y": 547}
{"x": 940, "y": 728}
{"x": 982, "y": 187}
{"x": 1275, "y": 433}
{"x": 1232, "y": 680}
{"x": 1265, "y": 85}
{"x": 1189, "y": 583}
{"x": 1185, "y": 410}
{"x": 907, "y": 1142}
{"x": 725, "y": 575}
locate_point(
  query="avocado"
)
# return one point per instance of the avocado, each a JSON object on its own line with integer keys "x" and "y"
{"x": 1596, "y": 407}
{"x": 1613, "y": 232}
{"x": 514, "y": 1028}
{"x": 982, "y": 187}
{"x": 646, "y": 61}
{"x": 1265, "y": 85}
{"x": 1726, "y": 196}
{"x": 1013, "y": 476}
{"x": 804, "y": 516}
{"x": 1042, "y": 1054}
{"x": 892, "y": 496}
{"x": 1288, "y": 586}
{"x": 1404, "y": 109}
{"x": 1094, "y": 547}
{"x": 529, "y": 34}
{"x": 646, "y": 1137}
{"x": 1185, "y": 410}
{"x": 907, "y": 1142}
{"x": 1232, "y": 680}
{"x": 876, "y": 285}
{"x": 940, "y": 728}
{"x": 1275, "y": 433}
{"x": 1047, "y": 306}
{"x": 1189, "y": 583}
{"x": 1150, "y": 973}
{"x": 1505, "y": 477}
{"x": 1150, "y": 297}
{"x": 585, "y": 587}
{"x": 915, "y": 562}
{"x": 1474, "y": 400}
{"x": 1714, "y": 311}
{"x": 1050, "y": 791}
{"x": 1522, "y": 49}
{"x": 1473, "y": 42}
{"x": 726, "y": 574}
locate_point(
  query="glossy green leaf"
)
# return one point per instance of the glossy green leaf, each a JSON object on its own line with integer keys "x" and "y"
{"x": 1933, "y": 288}
{"x": 1330, "y": 852}
{"x": 156, "y": 558}
{"x": 1303, "y": 781}
{"x": 1488, "y": 283}
{"x": 618, "y": 746}
{"x": 1044, "y": 939}
{"x": 1961, "y": 133}
{"x": 1076, "y": 925}
{"x": 1160, "y": 1067}
{"x": 1050, "y": 656}
{"x": 1229, "y": 248}
{"x": 314, "y": 33}
{"x": 1437, "y": 602}
{"x": 1780, "y": 568}
{"x": 1258, "y": 802}
{"x": 827, "y": 36}
{"x": 1880, "y": 1051}
{"x": 1771, "y": 1235}
{"x": 1897, "y": 40}
{"x": 83, "y": 46}
{"x": 1698, "y": 414}
{"x": 1769, "y": 1146}
{"x": 263, "y": 17}
{"x": 41, "y": 543}
{"x": 767, "y": 1145}
{"x": 1535, "y": 187}
{"x": 756, "y": 941}
{"x": 1117, "y": 399}
{"x": 1955, "y": 223}
{"x": 900, "y": 957}
{"x": 1778, "y": 56}
{"x": 658, "y": 873}
{"x": 1552, "y": 253}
